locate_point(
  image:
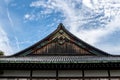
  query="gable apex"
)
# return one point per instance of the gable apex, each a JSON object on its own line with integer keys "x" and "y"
{"x": 61, "y": 25}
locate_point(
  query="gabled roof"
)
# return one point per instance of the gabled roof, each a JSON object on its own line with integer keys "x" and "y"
{"x": 61, "y": 42}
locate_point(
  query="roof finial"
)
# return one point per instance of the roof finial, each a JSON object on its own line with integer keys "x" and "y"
{"x": 60, "y": 25}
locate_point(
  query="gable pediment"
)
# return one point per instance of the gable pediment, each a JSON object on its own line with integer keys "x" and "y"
{"x": 61, "y": 42}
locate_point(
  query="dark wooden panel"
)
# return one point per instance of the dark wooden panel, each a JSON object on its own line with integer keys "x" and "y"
{"x": 56, "y": 48}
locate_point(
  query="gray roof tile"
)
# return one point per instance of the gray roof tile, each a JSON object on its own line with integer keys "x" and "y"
{"x": 60, "y": 59}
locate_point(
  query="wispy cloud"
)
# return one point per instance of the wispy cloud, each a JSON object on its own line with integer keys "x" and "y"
{"x": 4, "y": 42}
{"x": 90, "y": 20}
{"x": 9, "y": 18}
{"x": 29, "y": 17}
{"x": 12, "y": 26}
{"x": 17, "y": 43}
{"x": 6, "y": 22}
{"x": 76, "y": 16}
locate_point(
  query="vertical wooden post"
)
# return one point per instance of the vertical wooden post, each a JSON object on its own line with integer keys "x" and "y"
{"x": 83, "y": 75}
{"x": 109, "y": 74}
{"x": 30, "y": 74}
{"x": 57, "y": 78}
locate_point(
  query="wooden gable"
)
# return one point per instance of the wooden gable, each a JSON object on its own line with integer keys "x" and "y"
{"x": 61, "y": 42}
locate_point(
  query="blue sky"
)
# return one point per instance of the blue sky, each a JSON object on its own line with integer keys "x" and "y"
{"x": 24, "y": 22}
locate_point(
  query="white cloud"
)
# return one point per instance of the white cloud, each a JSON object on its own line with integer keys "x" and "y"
{"x": 95, "y": 35}
{"x": 74, "y": 17}
{"x": 87, "y": 3}
{"x": 112, "y": 49}
{"x": 9, "y": 18}
{"x": 80, "y": 12}
{"x": 4, "y": 42}
{"x": 110, "y": 7}
{"x": 27, "y": 16}
{"x": 12, "y": 26}
{"x": 6, "y": 22}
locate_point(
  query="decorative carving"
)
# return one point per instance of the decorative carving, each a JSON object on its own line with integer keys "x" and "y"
{"x": 61, "y": 32}
{"x": 61, "y": 40}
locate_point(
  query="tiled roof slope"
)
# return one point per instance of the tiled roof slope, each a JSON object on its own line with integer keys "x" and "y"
{"x": 60, "y": 59}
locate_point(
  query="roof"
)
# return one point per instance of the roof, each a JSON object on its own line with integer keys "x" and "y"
{"x": 61, "y": 46}
{"x": 61, "y": 42}
{"x": 60, "y": 59}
